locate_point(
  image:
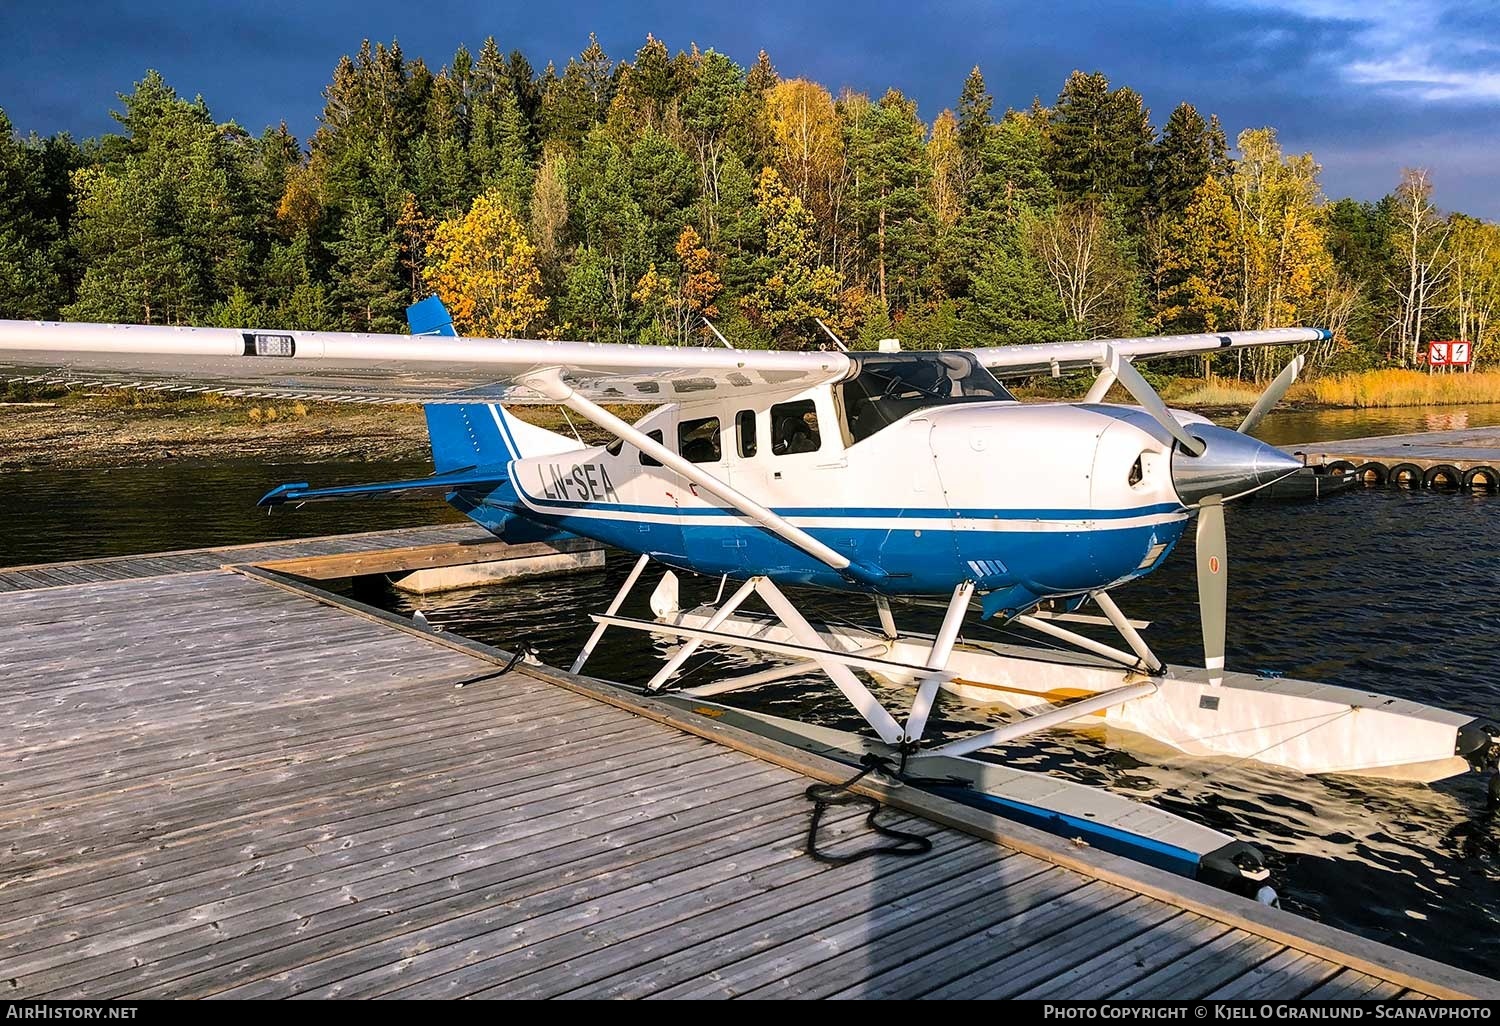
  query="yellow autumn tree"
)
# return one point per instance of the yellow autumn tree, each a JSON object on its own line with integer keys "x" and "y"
{"x": 701, "y": 284}
{"x": 1284, "y": 256}
{"x": 1284, "y": 259}
{"x": 946, "y": 155}
{"x": 807, "y": 144}
{"x": 300, "y": 205}
{"x": 413, "y": 232}
{"x": 677, "y": 308}
{"x": 654, "y": 293}
{"x": 484, "y": 267}
{"x": 1200, "y": 264}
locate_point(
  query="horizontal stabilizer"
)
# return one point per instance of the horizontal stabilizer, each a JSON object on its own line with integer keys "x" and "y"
{"x": 467, "y": 477}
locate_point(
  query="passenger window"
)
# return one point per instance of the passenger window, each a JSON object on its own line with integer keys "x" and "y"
{"x": 698, "y": 440}
{"x": 647, "y": 461}
{"x": 744, "y": 427}
{"x": 794, "y": 428}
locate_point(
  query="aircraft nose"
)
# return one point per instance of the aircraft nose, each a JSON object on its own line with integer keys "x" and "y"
{"x": 1231, "y": 464}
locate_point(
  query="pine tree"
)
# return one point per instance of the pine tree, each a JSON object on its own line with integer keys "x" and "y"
{"x": 1099, "y": 143}
{"x": 528, "y": 93}
{"x": 890, "y": 198}
{"x": 30, "y": 286}
{"x": 368, "y": 284}
{"x": 597, "y": 75}
{"x": 164, "y": 228}
{"x": 649, "y": 85}
{"x": 585, "y": 303}
{"x": 499, "y": 139}
{"x": 1012, "y": 300}
{"x": 664, "y": 187}
{"x": 710, "y": 111}
{"x": 1181, "y": 159}
{"x": 974, "y": 115}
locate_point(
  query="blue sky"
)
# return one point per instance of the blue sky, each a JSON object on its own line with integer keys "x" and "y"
{"x": 1370, "y": 86}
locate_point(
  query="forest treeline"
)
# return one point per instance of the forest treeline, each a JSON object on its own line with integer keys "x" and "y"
{"x": 628, "y": 200}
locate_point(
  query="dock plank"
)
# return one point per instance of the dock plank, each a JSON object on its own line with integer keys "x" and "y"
{"x": 227, "y": 786}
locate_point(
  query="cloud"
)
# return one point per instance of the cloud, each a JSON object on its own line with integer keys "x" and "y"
{"x": 1432, "y": 51}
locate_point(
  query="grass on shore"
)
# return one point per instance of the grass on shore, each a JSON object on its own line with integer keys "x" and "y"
{"x": 1217, "y": 393}
{"x": 1385, "y": 388}
{"x": 1373, "y": 388}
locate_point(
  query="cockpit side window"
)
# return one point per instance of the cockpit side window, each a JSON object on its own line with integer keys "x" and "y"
{"x": 698, "y": 440}
{"x": 887, "y": 386}
{"x": 647, "y": 461}
{"x": 744, "y": 428}
{"x": 794, "y": 428}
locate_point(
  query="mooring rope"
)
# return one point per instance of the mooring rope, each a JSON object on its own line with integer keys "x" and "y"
{"x": 827, "y": 796}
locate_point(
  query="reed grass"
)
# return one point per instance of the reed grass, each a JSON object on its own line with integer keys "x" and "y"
{"x": 1389, "y": 388}
{"x": 1217, "y": 393}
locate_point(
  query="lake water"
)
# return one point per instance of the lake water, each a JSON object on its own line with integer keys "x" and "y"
{"x": 1390, "y": 591}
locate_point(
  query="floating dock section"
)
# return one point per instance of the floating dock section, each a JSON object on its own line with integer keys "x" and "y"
{"x": 229, "y": 782}
{"x": 1464, "y": 459}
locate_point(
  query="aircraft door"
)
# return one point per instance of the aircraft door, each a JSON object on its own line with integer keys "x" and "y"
{"x": 712, "y": 540}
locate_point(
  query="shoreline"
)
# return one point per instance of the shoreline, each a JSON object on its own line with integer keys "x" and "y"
{"x": 106, "y": 432}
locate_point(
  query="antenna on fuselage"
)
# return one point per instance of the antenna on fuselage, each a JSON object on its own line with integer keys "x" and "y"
{"x": 829, "y": 332}
{"x": 717, "y": 334}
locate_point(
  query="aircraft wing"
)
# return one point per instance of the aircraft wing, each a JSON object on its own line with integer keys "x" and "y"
{"x": 374, "y": 368}
{"x": 1060, "y": 357}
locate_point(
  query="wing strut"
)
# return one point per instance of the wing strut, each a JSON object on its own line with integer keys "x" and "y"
{"x": 551, "y": 385}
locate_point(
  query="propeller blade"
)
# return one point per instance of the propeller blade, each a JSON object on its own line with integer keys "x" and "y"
{"x": 1144, "y": 394}
{"x": 1213, "y": 584}
{"x": 1272, "y": 395}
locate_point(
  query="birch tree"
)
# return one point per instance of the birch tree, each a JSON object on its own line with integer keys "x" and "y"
{"x": 1084, "y": 252}
{"x": 1421, "y": 238}
{"x": 1284, "y": 257}
{"x": 1473, "y": 291}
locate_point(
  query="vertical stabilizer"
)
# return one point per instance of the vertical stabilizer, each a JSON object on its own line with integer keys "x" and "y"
{"x": 476, "y": 434}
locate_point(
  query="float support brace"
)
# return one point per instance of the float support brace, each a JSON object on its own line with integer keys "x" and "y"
{"x": 690, "y": 646}
{"x": 937, "y": 661}
{"x": 614, "y": 607}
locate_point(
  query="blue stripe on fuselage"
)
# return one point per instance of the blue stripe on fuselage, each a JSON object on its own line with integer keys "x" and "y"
{"x": 923, "y": 561}
{"x": 562, "y": 506}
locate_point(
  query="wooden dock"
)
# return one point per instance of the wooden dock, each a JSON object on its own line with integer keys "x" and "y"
{"x": 231, "y": 783}
{"x": 1445, "y": 459}
{"x": 325, "y": 558}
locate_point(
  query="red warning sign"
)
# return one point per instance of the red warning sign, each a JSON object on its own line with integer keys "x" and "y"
{"x": 1452, "y": 353}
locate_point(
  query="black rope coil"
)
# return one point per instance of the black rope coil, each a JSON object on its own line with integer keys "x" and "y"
{"x": 828, "y": 796}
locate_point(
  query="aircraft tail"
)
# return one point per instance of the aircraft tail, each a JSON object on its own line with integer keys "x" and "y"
{"x": 479, "y": 434}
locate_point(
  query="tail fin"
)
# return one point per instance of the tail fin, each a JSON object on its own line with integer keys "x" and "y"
{"x": 476, "y": 435}
{"x": 430, "y": 317}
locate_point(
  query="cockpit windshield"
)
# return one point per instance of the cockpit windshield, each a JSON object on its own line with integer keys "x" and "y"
{"x": 887, "y": 386}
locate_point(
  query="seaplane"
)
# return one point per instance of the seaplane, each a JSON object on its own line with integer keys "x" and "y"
{"x": 896, "y": 478}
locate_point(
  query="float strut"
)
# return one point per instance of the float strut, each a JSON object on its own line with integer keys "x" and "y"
{"x": 937, "y": 661}
{"x": 1152, "y": 665}
{"x": 690, "y": 646}
{"x": 614, "y": 607}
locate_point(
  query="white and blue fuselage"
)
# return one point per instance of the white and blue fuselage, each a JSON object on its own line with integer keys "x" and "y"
{"x": 1026, "y": 501}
